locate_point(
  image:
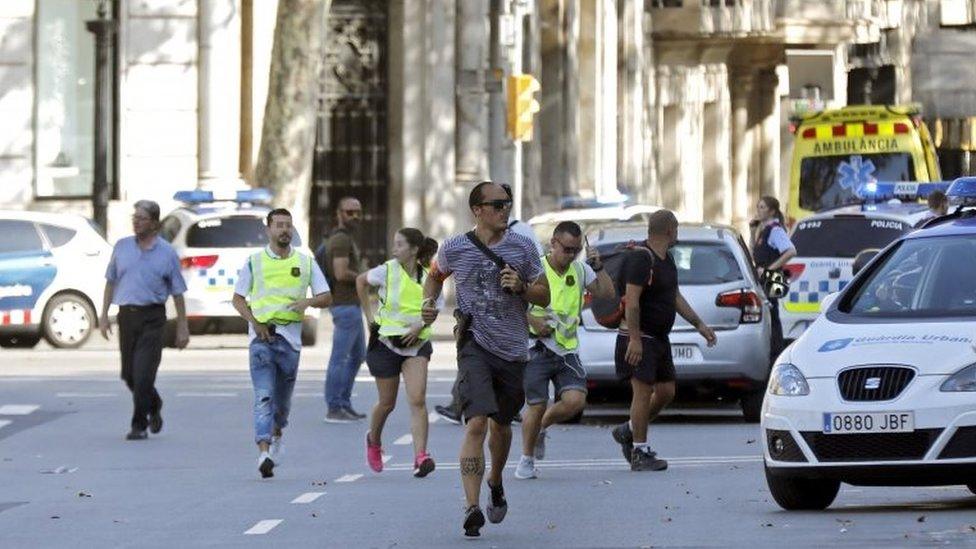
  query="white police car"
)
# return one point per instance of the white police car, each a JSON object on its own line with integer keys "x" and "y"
{"x": 52, "y": 278}
{"x": 827, "y": 243}
{"x": 881, "y": 389}
{"x": 214, "y": 234}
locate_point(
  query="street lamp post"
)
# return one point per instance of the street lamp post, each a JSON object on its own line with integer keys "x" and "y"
{"x": 104, "y": 30}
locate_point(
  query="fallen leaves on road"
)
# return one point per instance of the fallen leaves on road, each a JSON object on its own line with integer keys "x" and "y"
{"x": 55, "y": 517}
{"x": 318, "y": 483}
{"x": 768, "y": 525}
{"x": 59, "y": 471}
{"x": 84, "y": 495}
{"x": 921, "y": 518}
{"x": 751, "y": 441}
{"x": 551, "y": 526}
{"x": 667, "y": 519}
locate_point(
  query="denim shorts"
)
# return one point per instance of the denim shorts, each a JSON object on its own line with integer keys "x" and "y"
{"x": 565, "y": 372}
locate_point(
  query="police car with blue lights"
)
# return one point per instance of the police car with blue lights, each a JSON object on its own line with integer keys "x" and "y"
{"x": 881, "y": 389}
{"x": 828, "y": 242}
{"x": 52, "y": 278}
{"x": 214, "y": 233}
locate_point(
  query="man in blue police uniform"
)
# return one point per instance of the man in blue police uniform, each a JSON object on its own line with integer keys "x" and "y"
{"x": 143, "y": 272}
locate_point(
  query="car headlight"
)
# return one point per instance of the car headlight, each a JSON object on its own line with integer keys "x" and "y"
{"x": 963, "y": 380}
{"x": 787, "y": 380}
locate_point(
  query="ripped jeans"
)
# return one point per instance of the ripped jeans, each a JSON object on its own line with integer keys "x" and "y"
{"x": 274, "y": 367}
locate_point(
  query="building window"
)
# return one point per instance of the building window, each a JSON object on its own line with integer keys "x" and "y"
{"x": 64, "y": 100}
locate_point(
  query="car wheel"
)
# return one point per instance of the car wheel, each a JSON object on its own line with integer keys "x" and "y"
{"x": 802, "y": 494}
{"x": 752, "y": 405}
{"x": 310, "y": 330}
{"x": 68, "y": 321}
{"x": 22, "y": 341}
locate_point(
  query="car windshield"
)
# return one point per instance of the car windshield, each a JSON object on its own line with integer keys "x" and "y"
{"x": 241, "y": 231}
{"x": 925, "y": 277}
{"x": 833, "y": 181}
{"x": 844, "y": 236}
{"x": 699, "y": 263}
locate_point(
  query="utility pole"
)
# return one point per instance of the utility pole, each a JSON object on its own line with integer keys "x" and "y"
{"x": 104, "y": 31}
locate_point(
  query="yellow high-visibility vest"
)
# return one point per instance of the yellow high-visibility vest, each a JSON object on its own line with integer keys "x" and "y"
{"x": 401, "y": 302}
{"x": 565, "y": 304}
{"x": 276, "y": 284}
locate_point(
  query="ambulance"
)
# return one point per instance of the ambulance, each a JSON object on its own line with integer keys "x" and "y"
{"x": 838, "y": 153}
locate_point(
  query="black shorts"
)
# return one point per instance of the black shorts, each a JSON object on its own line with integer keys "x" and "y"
{"x": 489, "y": 385}
{"x": 383, "y": 362}
{"x": 656, "y": 365}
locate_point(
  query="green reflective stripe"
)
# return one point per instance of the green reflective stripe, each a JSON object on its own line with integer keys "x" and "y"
{"x": 275, "y": 287}
{"x": 565, "y": 304}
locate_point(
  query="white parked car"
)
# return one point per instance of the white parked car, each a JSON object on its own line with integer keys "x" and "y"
{"x": 716, "y": 277}
{"x": 589, "y": 215}
{"x": 214, "y": 236}
{"x": 881, "y": 389}
{"x": 52, "y": 278}
{"x": 826, "y": 245}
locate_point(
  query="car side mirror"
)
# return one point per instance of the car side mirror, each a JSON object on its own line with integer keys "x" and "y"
{"x": 862, "y": 259}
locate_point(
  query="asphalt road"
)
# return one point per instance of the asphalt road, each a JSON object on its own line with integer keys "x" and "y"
{"x": 67, "y": 477}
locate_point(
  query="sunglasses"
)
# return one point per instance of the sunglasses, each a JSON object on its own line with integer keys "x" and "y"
{"x": 571, "y": 250}
{"x": 499, "y": 205}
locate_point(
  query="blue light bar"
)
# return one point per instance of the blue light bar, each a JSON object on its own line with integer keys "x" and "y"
{"x": 962, "y": 192}
{"x": 886, "y": 190}
{"x": 578, "y": 202}
{"x": 254, "y": 196}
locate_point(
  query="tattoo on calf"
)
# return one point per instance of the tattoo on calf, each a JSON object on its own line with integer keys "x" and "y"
{"x": 472, "y": 466}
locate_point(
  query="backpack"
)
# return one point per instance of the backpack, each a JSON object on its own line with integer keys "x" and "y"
{"x": 609, "y": 312}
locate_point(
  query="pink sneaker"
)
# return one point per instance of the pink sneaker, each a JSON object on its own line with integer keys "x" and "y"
{"x": 374, "y": 455}
{"x": 423, "y": 465}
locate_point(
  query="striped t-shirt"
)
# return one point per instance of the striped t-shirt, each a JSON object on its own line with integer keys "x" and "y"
{"x": 498, "y": 319}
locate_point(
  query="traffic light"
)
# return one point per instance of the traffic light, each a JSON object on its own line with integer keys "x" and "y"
{"x": 521, "y": 106}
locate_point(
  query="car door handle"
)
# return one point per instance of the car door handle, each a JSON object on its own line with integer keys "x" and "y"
{"x": 834, "y": 273}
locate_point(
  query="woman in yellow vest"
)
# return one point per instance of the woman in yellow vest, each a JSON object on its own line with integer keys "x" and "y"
{"x": 399, "y": 342}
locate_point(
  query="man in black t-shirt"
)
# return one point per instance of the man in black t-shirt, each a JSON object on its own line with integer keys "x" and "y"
{"x": 643, "y": 351}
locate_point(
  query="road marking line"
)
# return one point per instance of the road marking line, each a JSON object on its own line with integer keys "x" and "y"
{"x": 349, "y": 478}
{"x": 404, "y": 440}
{"x": 433, "y": 417}
{"x": 4, "y": 423}
{"x": 308, "y": 497}
{"x": 263, "y": 527}
{"x": 436, "y": 395}
{"x": 602, "y": 464}
{"x": 387, "y": 457}
{"x": 86, "y": 395}
{"x": 451, "y": 379}
{"x": 17, "y": 409}
{"x": 215, "y": 395}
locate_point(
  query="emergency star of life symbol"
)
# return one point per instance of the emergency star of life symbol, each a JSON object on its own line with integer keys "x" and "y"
{"x": 856, "y": 173}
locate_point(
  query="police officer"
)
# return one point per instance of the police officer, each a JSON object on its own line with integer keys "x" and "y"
{"x": 270, "y": 295}
{"x": 553, "y": 345}
{"x": 771, "y": 250}
{"x": 143, "y": 272}
{"x": 399, "y": 342}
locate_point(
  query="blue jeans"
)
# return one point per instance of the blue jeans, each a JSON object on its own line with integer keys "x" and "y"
{"x": 274, "y": 367}
{"x": 348, "y": 353}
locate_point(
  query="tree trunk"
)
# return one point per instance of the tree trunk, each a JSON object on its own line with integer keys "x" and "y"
{"x": 288, "y": 136}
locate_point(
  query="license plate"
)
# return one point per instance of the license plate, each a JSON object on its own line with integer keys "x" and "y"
{"x": 683, "y": 352}
{"x": 870, "y": 422}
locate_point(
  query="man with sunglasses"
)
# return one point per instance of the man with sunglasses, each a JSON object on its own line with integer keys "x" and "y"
{"x": 553, "y": 343}
{"x": 497, "y": 274}
{"x": 343, "y": 263}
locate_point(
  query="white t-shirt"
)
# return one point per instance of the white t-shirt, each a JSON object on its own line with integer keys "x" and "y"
{"x": 291, "y": 332}
{"x": 589, "y": 277}
{"x": 376, "y": 277}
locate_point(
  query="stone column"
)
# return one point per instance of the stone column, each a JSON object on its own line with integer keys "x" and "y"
{"x": 219, "y": 91}
{"x": 551, "y": 126}
{"x": 440, "y": 201}
{"x": 770, "y": 144}
{"x": 742, "y": 83}
{"x": 471, "y": 45}
{"x": 630, "y": 96}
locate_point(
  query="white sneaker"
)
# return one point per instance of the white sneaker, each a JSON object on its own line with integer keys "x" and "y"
{"x": 526, "y": 468}
{"x": 277, "y": 450}
{"x": 266, "y": 465}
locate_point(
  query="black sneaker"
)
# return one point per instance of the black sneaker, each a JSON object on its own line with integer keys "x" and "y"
{"x": 266, "y": 465}
{"x": 155, "y": 422}
{"x": 355, "y": 414}
{"x": 645, "y": 459}
{"x": 625, "y": 438}
{"x": 137, "y": 434}
{"x": 340, "y": 415}
{"x": 448, "y": 413}
{"x": 474, "y": 519}
{"x": 497, "y": 506}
